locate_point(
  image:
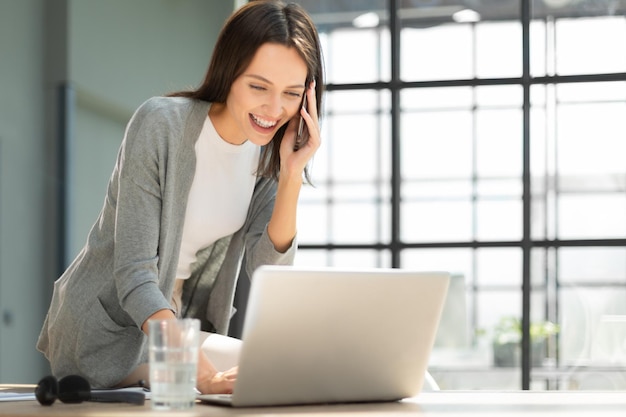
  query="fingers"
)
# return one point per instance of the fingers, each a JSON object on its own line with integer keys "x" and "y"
{"x": 311, "y": 106}
{"x": 224, "y": 382}
{"x": 220, "y": 383}
{"x": 310, "y": 116}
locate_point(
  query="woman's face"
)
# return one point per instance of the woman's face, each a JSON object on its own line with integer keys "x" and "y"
{"x": 265, "y": 96}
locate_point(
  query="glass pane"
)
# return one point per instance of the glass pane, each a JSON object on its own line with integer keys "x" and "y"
{"x": 499, "y": 142}
{"x": 429, "y": 99}
{"x": 358, "y": 221}
{"x": 312, "y": 258}
{"x": 453, "y": 41}
{"x": 592, "y": 265}
{"x": 360, "y": 259}
{"x": 313, "y": 223}
{"x": 498, "y": 220}
{"x": 499, "y": 266}
{"x": 563, "y": 31}
{"x": 593, "y": 327}
{"x": 428, "y": 137}
{"x": 499, "y": 49}
{"x": 591, "y": 216}
{"x": 436, "y": 221}
{"x": 354, "y": 135}
{"x": 593, "y": 133}
{"x": 357, "y": 136}
{"x": 580, "y": 37}
{"x": 436, "y": 53}
{"x": 539, "y": 45}
{"x": 342, "y": 25}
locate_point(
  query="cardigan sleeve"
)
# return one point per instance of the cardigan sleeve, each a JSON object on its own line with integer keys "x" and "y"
{"x": 138, "y": 214}
{"x": 259, "y": 248}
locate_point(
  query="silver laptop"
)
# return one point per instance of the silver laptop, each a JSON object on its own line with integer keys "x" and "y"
{"x": 332, "y": 335}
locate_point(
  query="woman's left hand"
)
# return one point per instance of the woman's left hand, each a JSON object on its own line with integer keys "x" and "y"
{"x": 293, "y": 161}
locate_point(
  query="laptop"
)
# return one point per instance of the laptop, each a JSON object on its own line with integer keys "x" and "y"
{"x": 331, "y": 335}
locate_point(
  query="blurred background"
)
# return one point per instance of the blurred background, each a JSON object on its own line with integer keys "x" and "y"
{"x": 480, "y": 137}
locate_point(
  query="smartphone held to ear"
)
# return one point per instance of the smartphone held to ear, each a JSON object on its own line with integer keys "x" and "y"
{"x": 301, "y": 135}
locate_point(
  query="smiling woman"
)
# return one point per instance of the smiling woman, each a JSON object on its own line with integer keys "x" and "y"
{"x": 201, "y": 178}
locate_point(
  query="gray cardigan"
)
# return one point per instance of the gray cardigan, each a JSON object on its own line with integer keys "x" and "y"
{"x": 126, "y": 270}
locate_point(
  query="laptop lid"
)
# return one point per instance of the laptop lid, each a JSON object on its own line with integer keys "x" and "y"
{"x": 330, "y": 335}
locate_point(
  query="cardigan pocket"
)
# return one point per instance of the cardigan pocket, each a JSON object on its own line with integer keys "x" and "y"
{"x": 106, "y": 352}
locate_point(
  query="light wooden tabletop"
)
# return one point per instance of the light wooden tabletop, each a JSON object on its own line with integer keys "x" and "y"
{"x": 441, "y": 403}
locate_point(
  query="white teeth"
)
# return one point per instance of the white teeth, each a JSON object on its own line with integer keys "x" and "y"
{"x": 263, "y": 123}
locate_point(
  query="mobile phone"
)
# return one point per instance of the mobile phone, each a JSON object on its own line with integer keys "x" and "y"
{"x": 301, "y": 138}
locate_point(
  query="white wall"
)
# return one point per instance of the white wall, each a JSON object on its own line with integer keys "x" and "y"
{"x": 113, "y": 54}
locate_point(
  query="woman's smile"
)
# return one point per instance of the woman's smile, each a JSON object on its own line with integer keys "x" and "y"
{"x": 265, "y": 125}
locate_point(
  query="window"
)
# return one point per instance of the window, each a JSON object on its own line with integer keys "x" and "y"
{"x": 485, "y": 138}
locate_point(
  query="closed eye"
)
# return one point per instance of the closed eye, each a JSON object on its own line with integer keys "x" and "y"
{"x": 294, "y": 94}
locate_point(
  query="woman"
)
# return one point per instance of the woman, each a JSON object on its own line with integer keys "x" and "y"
{"x": 204, "y": 190}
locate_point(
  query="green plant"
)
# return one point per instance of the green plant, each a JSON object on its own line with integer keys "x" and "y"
{"x": 507, "y": 335}
{"x": 509, "y": 330}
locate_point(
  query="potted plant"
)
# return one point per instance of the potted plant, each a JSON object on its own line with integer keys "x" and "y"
{"x": 507, "y": 339}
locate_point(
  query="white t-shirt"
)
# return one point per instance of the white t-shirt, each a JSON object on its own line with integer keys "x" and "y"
{"x": 220, "y": 193}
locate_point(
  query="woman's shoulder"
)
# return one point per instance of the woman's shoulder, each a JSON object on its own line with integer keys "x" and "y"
{"x": 164, "y": 122}
{"x": 167, "y": 108}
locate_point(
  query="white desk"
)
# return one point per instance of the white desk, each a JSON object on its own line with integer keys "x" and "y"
{"x": 441, "y": 403}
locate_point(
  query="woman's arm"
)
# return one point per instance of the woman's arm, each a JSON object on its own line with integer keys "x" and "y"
{"x": 282, "y": 225}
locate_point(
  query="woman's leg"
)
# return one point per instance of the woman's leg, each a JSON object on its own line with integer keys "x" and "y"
{"x": 222, "y": 351}
{"x": 140, "y": 376}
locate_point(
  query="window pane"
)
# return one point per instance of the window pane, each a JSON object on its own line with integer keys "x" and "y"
{"x": 435, "y": 53}
{"x": 454, "y": 261}
{"x": 344, "y": 258}
{"x": 360, "y": 259}
{"x": 499, "y": 49}
{"x": 499, "y": 266}
{"x": 499, "y": 142}
{"x": 362, "y": 220}
{"x": 349, "y": 64}
{"x": 594, "y": 133}
{"x": 498, "y": 220}
{"x": 592, "y": 265}
{"x": 437, "y": 221}
{"x": 428, "y": 137}
{"x": 341, "y": 26}
{"x": 455, "y": 42}
{"x": 576, "y": 38}
{"x": 593, "y": 327}
{"x": 313, "y": 223}
{"x": 591, "y": 216}
{"x": 565, "y": 35}
{"x": 357, "y": 136}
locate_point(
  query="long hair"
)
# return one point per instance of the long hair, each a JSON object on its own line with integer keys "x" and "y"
{"x": 256, "y": 23}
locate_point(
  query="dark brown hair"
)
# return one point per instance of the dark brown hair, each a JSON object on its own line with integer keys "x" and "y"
{"x": 256, "y": 23}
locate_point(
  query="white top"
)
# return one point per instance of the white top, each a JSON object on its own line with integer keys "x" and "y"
{"x": 220, "y": 193}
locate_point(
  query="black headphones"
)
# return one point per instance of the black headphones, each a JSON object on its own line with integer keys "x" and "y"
{"x": 76, "y": 389}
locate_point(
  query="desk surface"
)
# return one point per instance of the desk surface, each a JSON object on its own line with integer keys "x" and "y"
{"x": 441, "y": 403}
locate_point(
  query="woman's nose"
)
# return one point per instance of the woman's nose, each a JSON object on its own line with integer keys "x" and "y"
{"x": 274, "y": 106}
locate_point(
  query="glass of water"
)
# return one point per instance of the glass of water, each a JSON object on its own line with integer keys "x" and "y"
{"x": 173, "y": 347}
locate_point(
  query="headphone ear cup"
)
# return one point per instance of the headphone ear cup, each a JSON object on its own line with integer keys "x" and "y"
{"x": 74, "y": 389}
{"x": 47, "y": 390}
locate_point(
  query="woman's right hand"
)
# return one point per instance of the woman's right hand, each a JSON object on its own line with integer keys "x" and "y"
{"x": 219, "y": 383}
{"x": 210, "y": 381}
